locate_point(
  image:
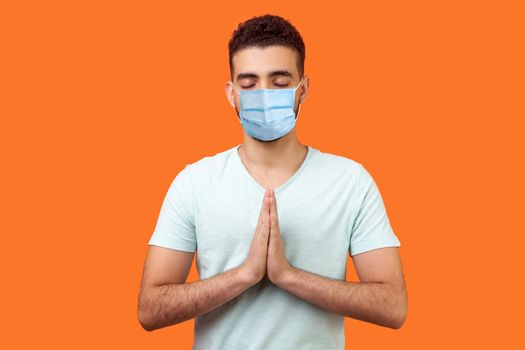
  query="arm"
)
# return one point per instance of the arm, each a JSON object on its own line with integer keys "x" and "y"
{"x": 380, "y": 297}
{"x": 165, "y": 299}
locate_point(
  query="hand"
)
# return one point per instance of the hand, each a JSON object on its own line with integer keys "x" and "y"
{"x": 278, "y": 265}
{"x": 255, "y": 264}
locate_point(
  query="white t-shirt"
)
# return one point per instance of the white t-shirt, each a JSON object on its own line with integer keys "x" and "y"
{"x": 329, "y": 208}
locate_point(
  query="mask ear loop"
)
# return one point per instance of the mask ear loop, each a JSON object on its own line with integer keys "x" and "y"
{"x": 299, "y": 104}
{"x": 239, "y": 93}
{"x": 236, "y": 88}
{"x": 300, "y": 82}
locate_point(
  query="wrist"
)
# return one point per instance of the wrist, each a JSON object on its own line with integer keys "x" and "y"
{"x": 285, "y": 276}
{"x": 246, "y": 275}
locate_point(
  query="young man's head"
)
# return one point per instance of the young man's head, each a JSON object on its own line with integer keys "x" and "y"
{"x": 266, "y": 52}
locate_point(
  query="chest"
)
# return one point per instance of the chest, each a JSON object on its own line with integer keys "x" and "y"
{"x": 270, "y": 181}
{"x": 313, "y": 224}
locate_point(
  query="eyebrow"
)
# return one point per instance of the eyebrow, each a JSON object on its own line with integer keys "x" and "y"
{"x": 272, "y": 74}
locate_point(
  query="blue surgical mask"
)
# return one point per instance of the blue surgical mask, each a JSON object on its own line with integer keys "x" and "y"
{"x": 267, "y": 114}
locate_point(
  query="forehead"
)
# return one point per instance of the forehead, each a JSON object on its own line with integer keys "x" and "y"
{"x": 262, "y": 61}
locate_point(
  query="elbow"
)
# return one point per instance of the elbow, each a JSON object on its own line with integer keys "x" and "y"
{"x": 399, "y": 320}
{"x": 400, "y": 310}
{"x": 144, "y": 314}
{"x": 145, "y": 320}
{"x": 400, "y": 313}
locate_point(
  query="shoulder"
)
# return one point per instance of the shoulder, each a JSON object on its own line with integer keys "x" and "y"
{"x": 343, "y": 165}
{"x": 209, "y": 165}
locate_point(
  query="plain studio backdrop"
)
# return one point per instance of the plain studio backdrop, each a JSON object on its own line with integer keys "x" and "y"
{"x": 103, "y": 103}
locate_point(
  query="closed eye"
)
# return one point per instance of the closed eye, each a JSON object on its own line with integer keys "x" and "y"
{"x": 249, "y": 86}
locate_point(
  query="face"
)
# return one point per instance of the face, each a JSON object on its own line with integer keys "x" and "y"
{"x": 272, "y": 67}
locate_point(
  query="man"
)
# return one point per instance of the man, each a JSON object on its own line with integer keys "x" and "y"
{"x": 273, "y": 222}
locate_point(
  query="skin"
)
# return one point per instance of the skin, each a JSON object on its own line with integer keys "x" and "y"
{"x": 165, "y": 298}
{"x": 380, "y": 297}
{"x": 270, "y": 162}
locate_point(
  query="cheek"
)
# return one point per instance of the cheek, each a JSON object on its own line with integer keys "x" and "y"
{"x": 237, "y": 103}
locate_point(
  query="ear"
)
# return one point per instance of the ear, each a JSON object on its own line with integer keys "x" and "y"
{"x": 230, "y": 93}
{"x": 304, "y": 89}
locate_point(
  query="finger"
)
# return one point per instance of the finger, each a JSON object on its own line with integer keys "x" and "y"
{"x": 274, "y": 226}
{"x": 263, "y": 207}
{"x": 266, "y": 195}
{"x": 266, "y": 207}
{"x": 265, "y": 214}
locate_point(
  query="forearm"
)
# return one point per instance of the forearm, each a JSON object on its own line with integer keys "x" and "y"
{"x": 379, "y": 303}
{"x": 165, "y": 305}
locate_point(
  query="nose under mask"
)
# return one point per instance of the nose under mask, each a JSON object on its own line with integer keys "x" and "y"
{"x": 267, "y": 114}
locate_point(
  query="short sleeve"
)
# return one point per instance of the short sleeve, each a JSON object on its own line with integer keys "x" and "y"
{"x": 371, "y": 228}
{"x": 175, "y": 226}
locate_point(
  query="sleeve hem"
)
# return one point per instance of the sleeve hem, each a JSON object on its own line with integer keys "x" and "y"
{"x": 187, "y": 247}
{"x": 373, "y": 245}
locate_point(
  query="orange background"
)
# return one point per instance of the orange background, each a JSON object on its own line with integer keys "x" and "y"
{"x": 103, "y": 103}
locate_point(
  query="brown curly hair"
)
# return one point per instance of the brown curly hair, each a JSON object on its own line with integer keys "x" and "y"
{"x": 267, "y": 30}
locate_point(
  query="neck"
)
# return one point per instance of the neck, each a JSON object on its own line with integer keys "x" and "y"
{"x": 279, "y": 154}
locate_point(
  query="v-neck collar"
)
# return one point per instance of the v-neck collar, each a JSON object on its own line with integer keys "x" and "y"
{"x": 298, "y": 172}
